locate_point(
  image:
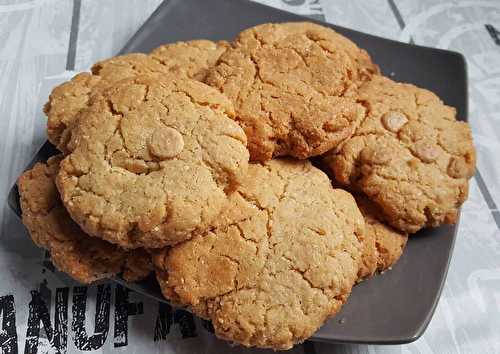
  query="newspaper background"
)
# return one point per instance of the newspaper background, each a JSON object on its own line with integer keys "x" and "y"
{"x": 40, "y": 46}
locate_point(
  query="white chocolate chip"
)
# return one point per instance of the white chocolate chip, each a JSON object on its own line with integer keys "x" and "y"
{"x": 394, "y": 121}
{"x": 426, "y": 152}
{"x": 166, "y": 143}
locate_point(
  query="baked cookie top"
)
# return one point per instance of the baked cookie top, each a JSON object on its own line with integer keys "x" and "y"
{"x": 410, "y": 155}
{"x": 84, "y": 258}
{"x": 192, "y": 59}
{"x": 282, "y": 259}
{"x": 382, "y": 244}
{"x": 71, "y": 97}
{"x": 292, "y": 86}
{"x": 152, "y": 160}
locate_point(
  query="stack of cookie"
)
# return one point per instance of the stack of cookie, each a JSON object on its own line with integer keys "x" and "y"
{"x": 192, "y": 162}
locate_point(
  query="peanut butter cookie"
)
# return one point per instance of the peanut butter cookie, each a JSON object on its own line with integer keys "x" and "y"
{"x": 410, "y": 155}
{"x": 71, "y": 97}
{"x": 152, "y": 161}
{"x": 293, "y": 87}
{"x": 382, "y": 244}
{"x": 190, "y": 59}
{"x": 84, "y": 258}
{"x": 281, "y": 261}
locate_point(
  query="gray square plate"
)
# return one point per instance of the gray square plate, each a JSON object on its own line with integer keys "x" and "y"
{"x": 392, "y": 308}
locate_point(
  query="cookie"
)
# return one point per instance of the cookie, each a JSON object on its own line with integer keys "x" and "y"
{"x": 84, "y": 258}
{"x": 281, "y": 261}
{"x": 152, "y": 161}
{"x": 69, "y": 98}
{"x": 191, "y": 58}
{"x": 293, "y": 87}
{"x": 138, "y": 265}
{"x": 382, "y": 244}
{"x": 410, "y": 156}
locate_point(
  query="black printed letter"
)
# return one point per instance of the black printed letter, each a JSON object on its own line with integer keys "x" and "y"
{"x": 8, "y": 334}
{"x": 38, "y": 312}
{"x": 82, "y": 339}
{"x": 124, "y": 309}
{"x": 166, "y": 317}
{"x": 494, "y": 33}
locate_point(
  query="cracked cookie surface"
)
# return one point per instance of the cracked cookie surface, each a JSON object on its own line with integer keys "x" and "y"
{"x": 84, "y": 258}
{"x": 71, "y": 97}
{"x": 152, "y": 161}
{"x": 192, "y": 59}
{"x": 293, "y": 87}
{"x": 410, "y": 155}
{"x": 281, "y": 261}
{"x": 382, "y": 244}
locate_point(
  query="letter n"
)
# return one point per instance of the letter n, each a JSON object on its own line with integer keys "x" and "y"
{"x": 39, "y": 313}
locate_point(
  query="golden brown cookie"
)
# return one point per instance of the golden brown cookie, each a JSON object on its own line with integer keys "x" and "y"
{"x": 382, "y": 244}
{"x": 282, "y": 260}
{"x": 138, "y": 265}
{"x": 410, "y": 156}
{"x": 152, "y": 161}
{"x": 192, "y": 58}
{"x": 71, "y": 97}
{"x": 84, "y": 258}
{"x": 293, "y": 88}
